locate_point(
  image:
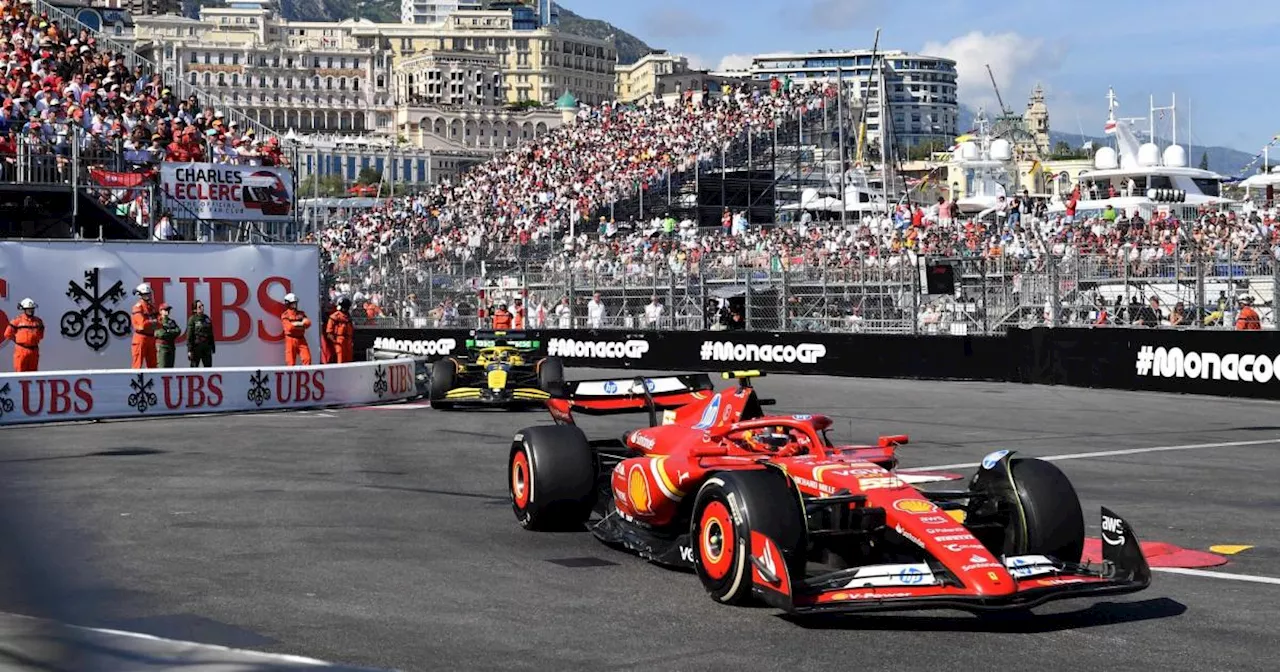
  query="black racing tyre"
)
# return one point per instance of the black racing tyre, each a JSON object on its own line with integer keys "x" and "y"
{"x": 728, "y": 506}
{"x": 442, "y": 380}
{"x": 551, "y": 376}
{"x": 551, "y": 476}
{"x": 1039, "y": 508}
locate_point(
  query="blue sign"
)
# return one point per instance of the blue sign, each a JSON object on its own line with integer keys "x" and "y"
{"x": 650, "y": 385}
{"x": 990, "y": 461}
{"x": 610, "y": 387}
{"x": 709, "y": 413}
{"x": 911, "y": 575}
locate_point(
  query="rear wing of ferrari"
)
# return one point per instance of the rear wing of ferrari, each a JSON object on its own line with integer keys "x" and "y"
{"x": 613, "y": 396}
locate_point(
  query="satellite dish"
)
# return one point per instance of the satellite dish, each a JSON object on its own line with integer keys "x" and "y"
{"x": 1105, "y": 159}
{"x": 1149, "y": 155}
{"x": 1175, "y": 156}
{"x": 1001, "y": 150}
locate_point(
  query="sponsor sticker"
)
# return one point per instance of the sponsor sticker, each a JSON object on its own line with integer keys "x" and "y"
{"x": 880, "y": 483}
{"x": 1160, "y": 362}
{"x": 425, "y": 348}
{"x": 569, "y": 347}
{"x": 991, "y": 460}
{"x": 1112, "y": 531}
{"x": 709, "y": 413}
{"x": 915, "y": 506}
{"x": 726, "y": 351}
{"x": 908, "y": 536}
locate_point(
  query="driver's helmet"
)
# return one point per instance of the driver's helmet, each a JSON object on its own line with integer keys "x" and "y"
{"x": 767, "y": 440}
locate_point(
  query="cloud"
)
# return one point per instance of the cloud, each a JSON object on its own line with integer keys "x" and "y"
{"x": 734, "y": 62}
{"x": 1016, "y": 61}
{"x": 677, "y": 23}
{"x": 835, "y": 15}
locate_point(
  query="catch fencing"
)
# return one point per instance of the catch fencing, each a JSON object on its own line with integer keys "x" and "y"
{"x": 871, "y": 294}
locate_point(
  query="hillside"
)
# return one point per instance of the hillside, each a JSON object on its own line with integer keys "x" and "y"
{"x": 630, "y": 47}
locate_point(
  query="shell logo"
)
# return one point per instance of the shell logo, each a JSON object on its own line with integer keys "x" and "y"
{"x": 914, "y": 506}
{"x": 638, "y": 491}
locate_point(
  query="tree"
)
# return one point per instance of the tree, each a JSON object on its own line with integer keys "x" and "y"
{"x": 368, "y": 176}
{"x": 1204, "y": 161}
{"x": 1062, "y": 148}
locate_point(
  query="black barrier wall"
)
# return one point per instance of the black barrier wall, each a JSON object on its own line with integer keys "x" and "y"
{"x": 1219, "y": 363}
{"x": 853, "y": 355}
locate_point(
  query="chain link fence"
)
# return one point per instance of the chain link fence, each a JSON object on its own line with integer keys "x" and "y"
{"x": 878, "y": 294}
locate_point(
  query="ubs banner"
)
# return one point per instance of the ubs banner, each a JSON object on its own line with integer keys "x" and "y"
{"x": 1221, "y": 363}
{"x": 84, "y": 293}
{"x": 875, "y": 356}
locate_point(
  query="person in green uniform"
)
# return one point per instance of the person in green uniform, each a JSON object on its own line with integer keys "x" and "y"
{"x": 200, "y": 343}
{"x": 166, "y": 337}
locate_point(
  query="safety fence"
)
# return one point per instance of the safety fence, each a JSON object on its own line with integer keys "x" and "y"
{"x": 865, "y": 294}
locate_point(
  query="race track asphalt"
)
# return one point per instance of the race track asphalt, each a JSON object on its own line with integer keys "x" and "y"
{"x": 384, "y": 538}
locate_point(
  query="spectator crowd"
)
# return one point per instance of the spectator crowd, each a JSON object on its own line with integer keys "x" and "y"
{"x": 59, "y": 87}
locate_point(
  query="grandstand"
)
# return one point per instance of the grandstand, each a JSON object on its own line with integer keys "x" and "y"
{"x": 86, "y": 122}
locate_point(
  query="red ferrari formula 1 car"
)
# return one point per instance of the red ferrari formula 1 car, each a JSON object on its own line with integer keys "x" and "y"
{"x": 767, "y": 508}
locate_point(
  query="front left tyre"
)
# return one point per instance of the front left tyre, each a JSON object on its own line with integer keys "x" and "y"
{"x": 728, "y": 507}
{"x": 442, "y": 380}
{"x": 551, "y": 476}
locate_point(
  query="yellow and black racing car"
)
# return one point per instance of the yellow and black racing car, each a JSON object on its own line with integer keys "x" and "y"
{"x": 499, "y": 369}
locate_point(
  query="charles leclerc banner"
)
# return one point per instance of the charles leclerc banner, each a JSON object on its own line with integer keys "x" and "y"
{"x": 216, "y": 191}
{"x": 84, "y": 291}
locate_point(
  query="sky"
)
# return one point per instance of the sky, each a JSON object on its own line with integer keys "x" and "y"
{"x": 1218, "y": 58}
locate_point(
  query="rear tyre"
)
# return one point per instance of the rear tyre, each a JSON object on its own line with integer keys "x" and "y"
{"x": 551, "y": 376}
{"x": 1038, "y": 507}
{"x": 442, "y": 380}
{"x": 551, "y": 476}
{"x": 727, "y": 508}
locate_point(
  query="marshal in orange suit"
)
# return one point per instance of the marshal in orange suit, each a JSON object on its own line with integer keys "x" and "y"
{"x": 296, "y": 324}
{"x": 146, "y": 319}
{"x": 26, "y": 331}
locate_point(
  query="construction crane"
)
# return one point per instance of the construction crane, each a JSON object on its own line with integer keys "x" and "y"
{"x": 1005, "y": 111}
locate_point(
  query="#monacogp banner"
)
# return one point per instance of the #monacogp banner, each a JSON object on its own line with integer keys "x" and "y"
{"x": 217, "y": 191}
{"x": 84, "y": 291}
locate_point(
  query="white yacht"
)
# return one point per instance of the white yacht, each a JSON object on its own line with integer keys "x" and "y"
{"x": 987, "y": 162}
{"x": 1262, "y": 187}
{"x": 1140, "y": 177}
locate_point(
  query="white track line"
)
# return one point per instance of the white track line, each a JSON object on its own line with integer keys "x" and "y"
{"x": 1218, "y": 575}
{"x": 261, "y": 655}
{"x": 1110, "y": 453}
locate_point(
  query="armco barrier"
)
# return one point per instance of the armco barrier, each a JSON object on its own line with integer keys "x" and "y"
{"x": 58, "y": 396}
{"x": 1220, "y": 363}
{"x": 855, "y": 355}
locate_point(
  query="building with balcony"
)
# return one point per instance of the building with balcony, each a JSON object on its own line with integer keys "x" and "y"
{"x": 433, "y": 11}
{"x": 638, "y": 82}
{"x": 384, "y": 80}
{"x": 920, "y": 90}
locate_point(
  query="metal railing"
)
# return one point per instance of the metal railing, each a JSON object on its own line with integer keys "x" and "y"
{"x": 869, "y": 294}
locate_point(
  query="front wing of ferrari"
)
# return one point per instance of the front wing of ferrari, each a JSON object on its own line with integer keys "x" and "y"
{"x": 1028, "y": 581}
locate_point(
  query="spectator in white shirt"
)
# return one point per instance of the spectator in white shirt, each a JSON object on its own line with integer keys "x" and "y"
{"x": 564, "y": 314}
{"x": 653, "y": 313}
{"x": 595, "y": 312}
